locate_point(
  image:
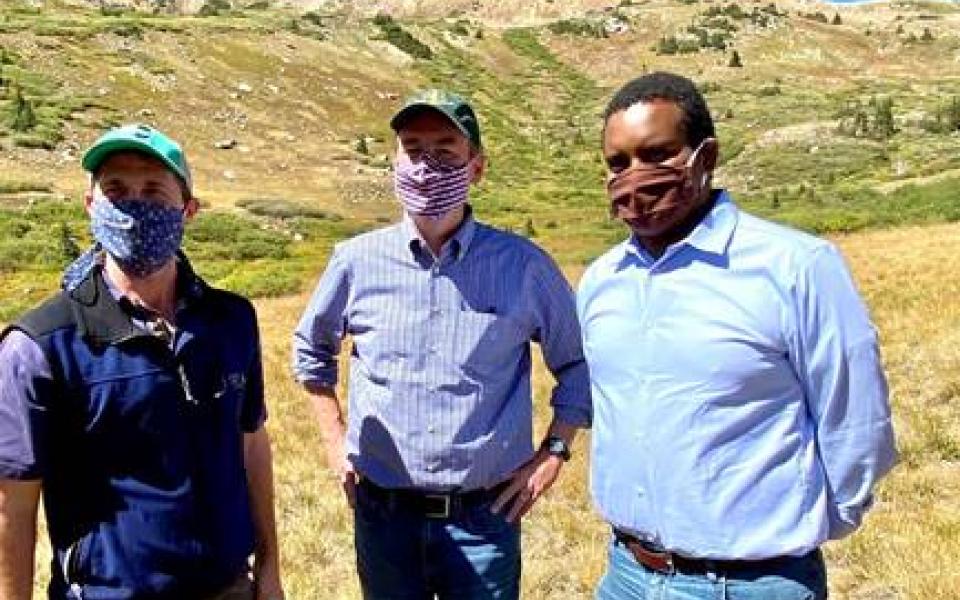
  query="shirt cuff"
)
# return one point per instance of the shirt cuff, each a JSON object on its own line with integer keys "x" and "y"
{"x": 320, "y": 378}
{"x": 575, "y": 416}
{"x": 19, "y": 472}
{"x": 846, "y": 520}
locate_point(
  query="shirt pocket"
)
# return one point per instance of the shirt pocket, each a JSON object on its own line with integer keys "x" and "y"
{"x": 487, "y": 345}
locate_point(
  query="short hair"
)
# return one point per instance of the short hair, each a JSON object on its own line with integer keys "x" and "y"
{"x": 185, "y": 190}
{"x": 697, "y": 122}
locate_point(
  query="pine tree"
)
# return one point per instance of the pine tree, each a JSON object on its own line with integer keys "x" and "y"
{"x": 22, "y": 117}
{"x": 883, "y": 122}
{"x": 837, "y": 20}
{"x": 528, "y": 229}
{"x": 951, "y": 115}
{"x": 927, "y": 35}
{"x": 735, "y": 60}
{"x": 69, "y": 250}
{"x": 360, "y": 145}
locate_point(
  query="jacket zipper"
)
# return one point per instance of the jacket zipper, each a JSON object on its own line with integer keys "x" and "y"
{"x": 70, "y": 567}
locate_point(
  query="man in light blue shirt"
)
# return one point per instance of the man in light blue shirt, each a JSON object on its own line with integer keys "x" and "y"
{"x": 441, "y": 310}
{"x": 741, "y": 410}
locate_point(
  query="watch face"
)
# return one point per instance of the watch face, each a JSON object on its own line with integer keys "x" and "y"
{"x": 558, "y": 447}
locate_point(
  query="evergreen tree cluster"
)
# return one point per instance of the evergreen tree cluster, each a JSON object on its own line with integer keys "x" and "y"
{"x": 872, "y": 120}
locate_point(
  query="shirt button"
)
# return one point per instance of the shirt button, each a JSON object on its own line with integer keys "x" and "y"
{"x": 431, "y": 429}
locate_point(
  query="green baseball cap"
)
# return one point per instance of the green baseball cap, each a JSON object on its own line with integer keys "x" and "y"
{"x": 450, "y": 105}
{"x": 139, "y": 138}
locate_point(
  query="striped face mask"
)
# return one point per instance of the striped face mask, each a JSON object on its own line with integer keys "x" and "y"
{"x": 430, "y": 188}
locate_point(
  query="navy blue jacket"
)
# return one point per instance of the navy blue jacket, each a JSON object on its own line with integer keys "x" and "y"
{"x": 140, "y": 445}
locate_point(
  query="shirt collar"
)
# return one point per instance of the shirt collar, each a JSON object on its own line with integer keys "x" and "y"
{"x": 102, "y": 319}
{"x": 712, "y": 235}
{"x": 459, "y": 243}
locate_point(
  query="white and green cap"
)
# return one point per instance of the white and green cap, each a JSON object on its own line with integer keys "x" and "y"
{"x": 139, "y": 138}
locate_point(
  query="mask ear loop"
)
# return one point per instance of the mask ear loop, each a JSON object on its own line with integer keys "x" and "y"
{"x": 705, "y": 178}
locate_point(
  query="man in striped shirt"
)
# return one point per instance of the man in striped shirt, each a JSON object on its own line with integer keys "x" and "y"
{"x": 437, "y": 454}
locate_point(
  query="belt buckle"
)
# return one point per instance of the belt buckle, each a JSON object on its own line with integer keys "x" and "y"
{"x": 444, "y": 513}
{"x": 668, "y": 560}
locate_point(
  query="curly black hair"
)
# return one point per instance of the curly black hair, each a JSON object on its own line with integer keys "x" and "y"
{"x": 697, "y": 122}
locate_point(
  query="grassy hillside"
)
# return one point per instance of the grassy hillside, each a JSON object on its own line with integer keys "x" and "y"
{"x": 838, "y": 120}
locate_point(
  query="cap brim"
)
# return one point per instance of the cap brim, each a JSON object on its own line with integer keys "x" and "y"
{"x": 405, "y": 113}
{"x": 96, "y": 156}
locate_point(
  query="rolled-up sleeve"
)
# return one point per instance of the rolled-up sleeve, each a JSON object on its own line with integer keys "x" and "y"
{"x": 26, "y": 385}
{"x": 558, "y": 333}
{"x": 317, "y": 339}
{"x": 838, "y": 361}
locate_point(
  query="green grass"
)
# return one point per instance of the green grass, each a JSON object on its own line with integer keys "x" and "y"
{"x": 254, "y": 256}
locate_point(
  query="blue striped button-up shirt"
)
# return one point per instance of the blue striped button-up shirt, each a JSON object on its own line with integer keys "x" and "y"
{"x": 439, "y": 391}
{"x": 741, "y": 407}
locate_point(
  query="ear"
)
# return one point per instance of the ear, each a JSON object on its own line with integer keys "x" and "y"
{"x": 191, "y": 208}
{"x": 711, "y": 154}
{"x": 479, "y": 168}
{"x": 88, "y": 200}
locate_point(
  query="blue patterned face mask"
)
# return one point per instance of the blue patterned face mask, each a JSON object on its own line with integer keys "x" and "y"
{"x": 140, "y": 235}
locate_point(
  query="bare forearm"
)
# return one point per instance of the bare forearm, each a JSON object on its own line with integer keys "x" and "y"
{"x": 326, "y": 409}
{"x": 18, "y": 536}
{"x": 258, "y": 461}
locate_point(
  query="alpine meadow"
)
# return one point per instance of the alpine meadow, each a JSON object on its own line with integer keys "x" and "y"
{"x": 838, "y": 119}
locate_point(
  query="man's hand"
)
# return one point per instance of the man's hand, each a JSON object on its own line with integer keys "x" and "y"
{"x": 343, "y": 469}
{"x": 333, "y": 431}
{"x": 527, "y": 484}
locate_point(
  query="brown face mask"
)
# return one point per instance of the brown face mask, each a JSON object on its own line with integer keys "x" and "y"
{"x": 652, "y": 198}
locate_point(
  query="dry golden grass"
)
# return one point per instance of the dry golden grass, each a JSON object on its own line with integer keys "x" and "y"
{"x": 909, "y": 547}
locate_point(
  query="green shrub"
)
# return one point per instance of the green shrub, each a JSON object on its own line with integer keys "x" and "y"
{"x": 212, "y": 8}
{"x": 393, "y": 33}
{"x": 221, "y": 236}
{"x": 578, "y": 27}
{"x": 278, "y": 208}
{"x": 262, "y": 280}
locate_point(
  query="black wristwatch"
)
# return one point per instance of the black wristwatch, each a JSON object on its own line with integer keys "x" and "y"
{"x": 557, "y": 447}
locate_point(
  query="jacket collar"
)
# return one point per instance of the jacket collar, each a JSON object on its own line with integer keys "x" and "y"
{"x": 101, "y": 317}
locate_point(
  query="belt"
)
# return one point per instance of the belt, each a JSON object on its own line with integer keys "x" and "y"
{"x": 433, "y": 505}
{"x": 668, "y": 563}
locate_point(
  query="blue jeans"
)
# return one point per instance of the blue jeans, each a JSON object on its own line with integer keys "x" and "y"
{"x": 801, "y": 579}
{"x": 402, "y": 555}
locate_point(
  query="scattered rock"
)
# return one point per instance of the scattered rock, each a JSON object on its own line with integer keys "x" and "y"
{"x": 900, "y": 168}
{"x": 298, "y": 237}
{"x": 144, "y": 112}
{"x": 274, "y": 88}
{"x": 244, "y": 87}
{"x": 228, "y": 144}
{"x": 229, "y": 175}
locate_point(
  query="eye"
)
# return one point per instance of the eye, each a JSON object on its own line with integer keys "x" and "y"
{"x": 617, "y": 163}
{"x": 657, "y": 155}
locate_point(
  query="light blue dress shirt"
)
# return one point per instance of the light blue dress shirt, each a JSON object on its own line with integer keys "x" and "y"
{"x": 740, "y": 406}
{"x": 439, "y": 391}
